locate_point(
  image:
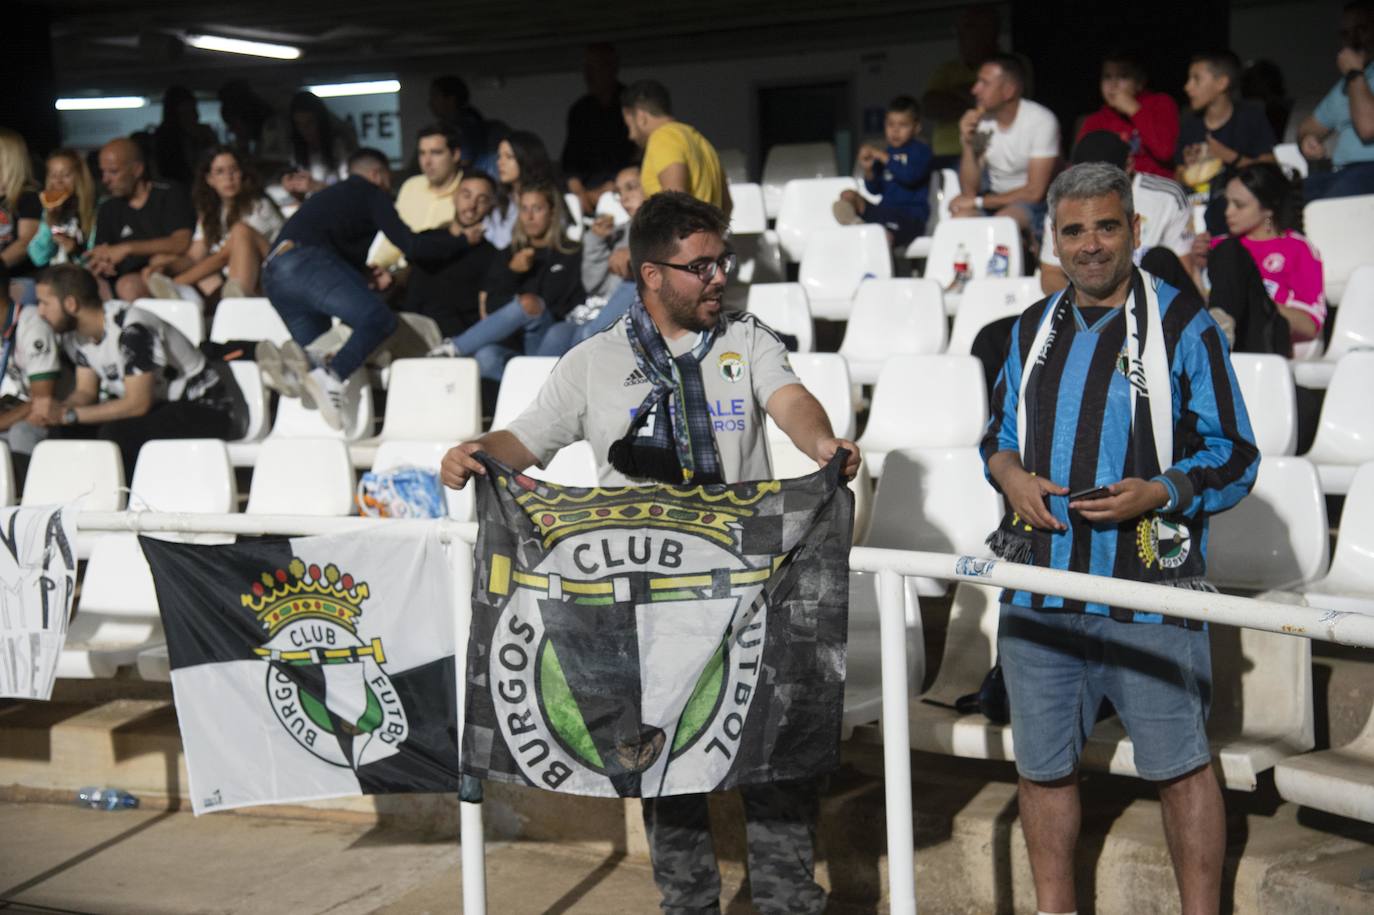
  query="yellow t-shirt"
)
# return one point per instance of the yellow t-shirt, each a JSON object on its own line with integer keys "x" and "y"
{"x": 678, "y": 142}
{"x": 420, "y": 207}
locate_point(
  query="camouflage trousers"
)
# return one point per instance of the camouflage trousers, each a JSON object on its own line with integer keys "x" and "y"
{"x": 780, "y": 821}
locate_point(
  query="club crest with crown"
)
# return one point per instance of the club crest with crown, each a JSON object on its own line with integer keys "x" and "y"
{"x": 326, "y": 684}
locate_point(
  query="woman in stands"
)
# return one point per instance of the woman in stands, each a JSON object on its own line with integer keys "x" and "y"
{"x": 235, "y": 227}
{"x": 68, "y": 201}
{"x": 521, "y": 160}
{"x": 20, "y": 213}
{"x": 320, "y": 146}
{"x": 535, "y": 283}
{"x": 1263, "y": 272}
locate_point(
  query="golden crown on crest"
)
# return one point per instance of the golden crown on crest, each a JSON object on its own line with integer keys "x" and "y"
{"x": 303, "y": 591}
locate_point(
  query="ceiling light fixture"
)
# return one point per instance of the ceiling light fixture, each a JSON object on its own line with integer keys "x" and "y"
{"x": 101, "y": 104}
{"x": 242, "y": 46}
{"x": 339, "y": 90}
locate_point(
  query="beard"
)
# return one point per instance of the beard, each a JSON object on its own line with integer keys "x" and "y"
{"x": 685, "y": 310}
{"x": 1102, "y": 284}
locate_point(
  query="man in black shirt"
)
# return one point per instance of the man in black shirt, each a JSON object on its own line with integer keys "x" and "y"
{"x": 141, "y": 218}
{"x": 449, "y": 289}
{"x": 598, "y": 144}
{"x": 316, "y": 272}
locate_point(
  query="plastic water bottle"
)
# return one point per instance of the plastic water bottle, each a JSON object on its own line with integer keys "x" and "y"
{"x": 105, "y": 798}
{"x": 1000, "y": 262}
{"x": 961, "y": 269}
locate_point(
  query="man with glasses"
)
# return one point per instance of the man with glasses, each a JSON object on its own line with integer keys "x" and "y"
{"x": 617, "y": 391}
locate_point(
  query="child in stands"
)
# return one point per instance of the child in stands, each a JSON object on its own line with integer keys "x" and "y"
{"x": 900, "y": 174}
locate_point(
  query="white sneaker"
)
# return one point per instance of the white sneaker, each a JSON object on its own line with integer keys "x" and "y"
{"x": 297, "y": 365}
{"x": 330, "y": 396}
{"x": 231, "y": 290}
{"x": 162, "y": 287}
{"x": 445, "y": 350}
{"x": 275, "y": 374}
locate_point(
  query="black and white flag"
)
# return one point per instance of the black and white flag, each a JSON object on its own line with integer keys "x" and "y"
{"x": 37, "y": 582}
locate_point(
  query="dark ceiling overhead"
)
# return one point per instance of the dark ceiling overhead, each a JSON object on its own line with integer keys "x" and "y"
{"x": 135, "y": 43}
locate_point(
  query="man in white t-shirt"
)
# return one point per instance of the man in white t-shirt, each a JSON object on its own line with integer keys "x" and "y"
{"x": 1161, "y": 207}
{"x": 1010, "y": 145}
{"x": 599, "y": 392}
{"x": 29, "y": 368}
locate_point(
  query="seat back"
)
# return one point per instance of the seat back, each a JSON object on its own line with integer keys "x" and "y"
{"x": 395, "y": 453}
{"x": 63, "y": 471}
{"x": 520, "y": 384}
{"x": 792, "y": 161}
{"x": 184, "y": 475}
{"x": 970, "y": 643}
{"x": 1266, "y": 386}
{"x": 1262, "y": 687}
{"x": 934, "y": 500}
{"x": 187, "y": 317}
{"x": 980, "y": 236}
{"x": 247, "y": 319}
{"x": 826, "y": 376}
{"x": 302, "y": 476}
{"x": 572, "y": 206}
{"x": 987, "y": 300}
{"x": 807, "y": 206}
{"x": 788, "y": 462}
{"x": 1340, "y": 229}
{"x": 747, "y": 214}
{"x": 925, "y": 402}
{"x": 294, "y": 420}
{"x": 1354, "y": 328}
{"x": 609, "y": 205}
{"x": 255, "y": 394}
{"x": 1276, "y": 537}
{"x": 433, "y": 400}
{"x": 735, "y": 164}
{"x": 118, "y": 601}
{"x": 573, "y": 465}
{"x": 1351, "y": 569}
{"x": 835, "y": 263}
{"x": 895, "y": 316}
{"x": 7, "y": 493}
{"x": 1345, "y": 432}
{"x": 783, "y": 307}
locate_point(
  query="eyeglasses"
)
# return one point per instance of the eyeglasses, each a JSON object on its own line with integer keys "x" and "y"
{"x": 703, "y": 268}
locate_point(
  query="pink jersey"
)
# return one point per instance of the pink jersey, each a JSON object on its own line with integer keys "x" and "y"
{"x": 1292, "y": 272}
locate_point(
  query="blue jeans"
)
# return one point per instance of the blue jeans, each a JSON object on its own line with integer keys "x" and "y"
{"x": 1354, "y": 179}
{"x": 486, "y": 341}
{"x": 308, "y": 285}
{"x": 564, "y": 335}
{"x": 1058, "y": 667}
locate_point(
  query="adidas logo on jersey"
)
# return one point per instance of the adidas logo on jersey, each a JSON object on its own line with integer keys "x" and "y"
{"x": 636, "y": 377}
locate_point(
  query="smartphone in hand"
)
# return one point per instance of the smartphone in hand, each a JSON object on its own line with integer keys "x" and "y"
{"x": 1084, "y": 495}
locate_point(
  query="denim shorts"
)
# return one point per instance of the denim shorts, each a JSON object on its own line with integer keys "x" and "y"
{"x": 1059, "y": 667}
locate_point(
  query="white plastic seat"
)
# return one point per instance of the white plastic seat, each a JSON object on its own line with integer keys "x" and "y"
{"x": 835, "y": 263}
{"x": 244, "y": 451}
{"x": 187, "y": 317}
{"x": 808, "y": 206}
{"x": 889, "y": 317}
{"x": 1349, "y": 585}
{"x": 520, "y": 384}
{"x": 788, "y": 462}
{"x": 1266, "y": 386}
{"x": 980, "y": 236}
{"x": 1339, "y": 780}
{"x": 747, "y": 216}
{"x": 925, "y": 402}
{"x": 117, "y": 613}
{"x": 986, "y": 300}
{"x": 7, "y": 492}
{"x": 293, "y": 420}
{"x": 395, "y": 453}
{"x": 247, "y": 319}
{"x": 1290, "y": 156}
{"x": 302, "y": 476}
{"x": 609, "y": 205}
{"x": 1345, "y": 432}
{"x": 184, "y": 475}
{"x": 1340, "y": 229}
{"x": 437, "y": 400}
{"x": 826, "y": 376}
{"x": 1276, "y": 537}
{"x": 783, "y": 307}
{"x": 934, "y": 500}
{"x": 62, "y": 471}
{"x": 756, "y": 246}
{"x": 1353, "y": 330}
{"x": 573, "y": 205}
{"x": 735, "y": 164}
{"x": 790, "y": 162}
{"x": 573, "y": 465}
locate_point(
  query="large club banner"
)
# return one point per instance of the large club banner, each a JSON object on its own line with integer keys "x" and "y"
{"x": 657, "y": 640}
{"x": 311, "y": 667}
{"x": 37, "y": 582}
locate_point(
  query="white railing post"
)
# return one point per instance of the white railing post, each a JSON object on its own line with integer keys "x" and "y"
{"x": 901, "y": 846}
{"x": 471, "y": 835}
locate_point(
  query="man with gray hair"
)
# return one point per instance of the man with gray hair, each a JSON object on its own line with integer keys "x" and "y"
{"x": 1117, "y": 429}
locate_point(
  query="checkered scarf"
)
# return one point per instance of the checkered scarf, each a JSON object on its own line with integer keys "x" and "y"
{"x": 684, "y": 449}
